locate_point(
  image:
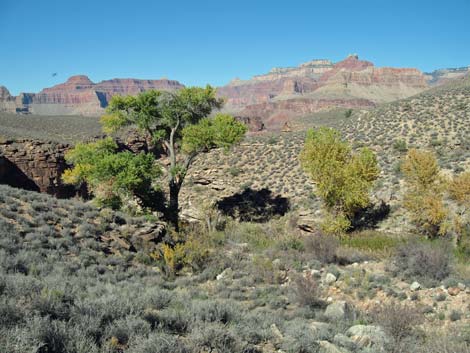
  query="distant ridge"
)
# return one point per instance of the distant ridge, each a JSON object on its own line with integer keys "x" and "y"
{"x": 286, "y": 93}
{"x": 79, "y": 95}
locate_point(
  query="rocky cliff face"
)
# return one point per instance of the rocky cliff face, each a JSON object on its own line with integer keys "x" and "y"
{"x": 7, "y": 101}
{"x": 443, "y": 76}
{"x": 283, "y": 94}
{"x": 79, "y": 95}
{"x": 34, "y": 165}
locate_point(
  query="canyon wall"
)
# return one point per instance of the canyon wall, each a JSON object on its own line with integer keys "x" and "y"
{"x": 287, "y": 93}
{"x": 280, "y": 95}
{"x": 79, "y": 96}
{"x": 34, "y": 165}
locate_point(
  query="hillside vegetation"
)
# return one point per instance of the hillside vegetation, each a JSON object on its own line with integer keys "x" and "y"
{"x": 437, "y": 120}
{"x": 259, "y": 288}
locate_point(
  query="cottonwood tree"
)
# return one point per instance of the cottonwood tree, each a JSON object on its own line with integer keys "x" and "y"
{"x": 424, "y": 197}
{"x": 459, "y": 191}
{"x": 179, "y": 122}
{"x": 343, "y": 179}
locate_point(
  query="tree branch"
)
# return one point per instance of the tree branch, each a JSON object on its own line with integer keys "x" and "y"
{"x": 189, "y": 159}
{"x": 172, "y": 145}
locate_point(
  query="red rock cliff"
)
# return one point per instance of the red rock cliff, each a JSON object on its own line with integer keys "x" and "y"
{"x": 79, "y": 95}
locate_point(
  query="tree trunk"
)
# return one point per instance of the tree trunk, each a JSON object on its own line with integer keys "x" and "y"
{"x": 173, "y": 206}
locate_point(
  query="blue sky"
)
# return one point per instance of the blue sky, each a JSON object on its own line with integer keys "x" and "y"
{"x": 199, "y": 42}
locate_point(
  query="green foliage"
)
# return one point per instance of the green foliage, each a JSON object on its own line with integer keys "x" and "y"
{"x": 372, "y": 241}
{"x": 110, "y": 175}
{"x": 400, "y": 146}
{"x": 221, "y": 131}
{"x": 158, "y": 112}
{"x": 343, "y": 178}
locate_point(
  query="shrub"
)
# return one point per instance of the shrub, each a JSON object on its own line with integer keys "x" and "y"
{"x": 397, "y": 319}
{"x": 307, "y": 291}
{"x": 322, "y": 247}
{"x": 122, "y": 330}
{"x": 440, "y": 342}
{"x": 214, "y": 311}
{"x": 300, "y": 339}
{"x": 170, "y": 320}
{"x": 215, "y": 337}
{"x": 158, "y": 343}
{"x": 255, "y": 327}
{"x": 455, "y": 315}
{"x": 173, "y": 257}
{"x": 400, "y": 146}
{"x": 424, "y": 260}
{"x": 10, "y": 315}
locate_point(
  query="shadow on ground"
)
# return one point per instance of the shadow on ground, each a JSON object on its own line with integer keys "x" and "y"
{"x": 254, "y": 205}
{"x": 370, "y": 216}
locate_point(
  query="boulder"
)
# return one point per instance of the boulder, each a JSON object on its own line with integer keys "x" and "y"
{"x": 345, "y": 342}
{"x": 339, "y": 311}
{"x": 330, "y": 279}
{"x": 322, "y": 330}
{"x": 415, "y": 286}
{"x": 227, "y": 273}
{"x": 368, "y": 336}
{"x": 453, "y": 291}
{"x": 327, "y": 347}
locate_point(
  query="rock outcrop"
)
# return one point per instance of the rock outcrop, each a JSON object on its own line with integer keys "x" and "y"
{"x": 318, "y": 85}
{"x": 79, "y": 96}
{"x": 34, "y": 165}
{"x": 38, "y": 165}
{"x": 7, "y": 101}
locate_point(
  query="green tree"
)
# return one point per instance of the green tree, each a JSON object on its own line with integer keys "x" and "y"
{"x": 178, "y": 121}
{"x": 343, "y": 179}
{"x": 110, "y": 175}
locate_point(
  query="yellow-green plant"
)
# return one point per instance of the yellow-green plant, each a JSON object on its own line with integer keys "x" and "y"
{"x": 424, "y": 198}
{"x": 459, "y": 191}
{"x": 174, "y": 257}
{"x": 343, "y": 178}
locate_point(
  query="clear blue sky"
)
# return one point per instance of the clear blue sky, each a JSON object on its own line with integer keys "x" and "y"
{"x": 199, "y": 42}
